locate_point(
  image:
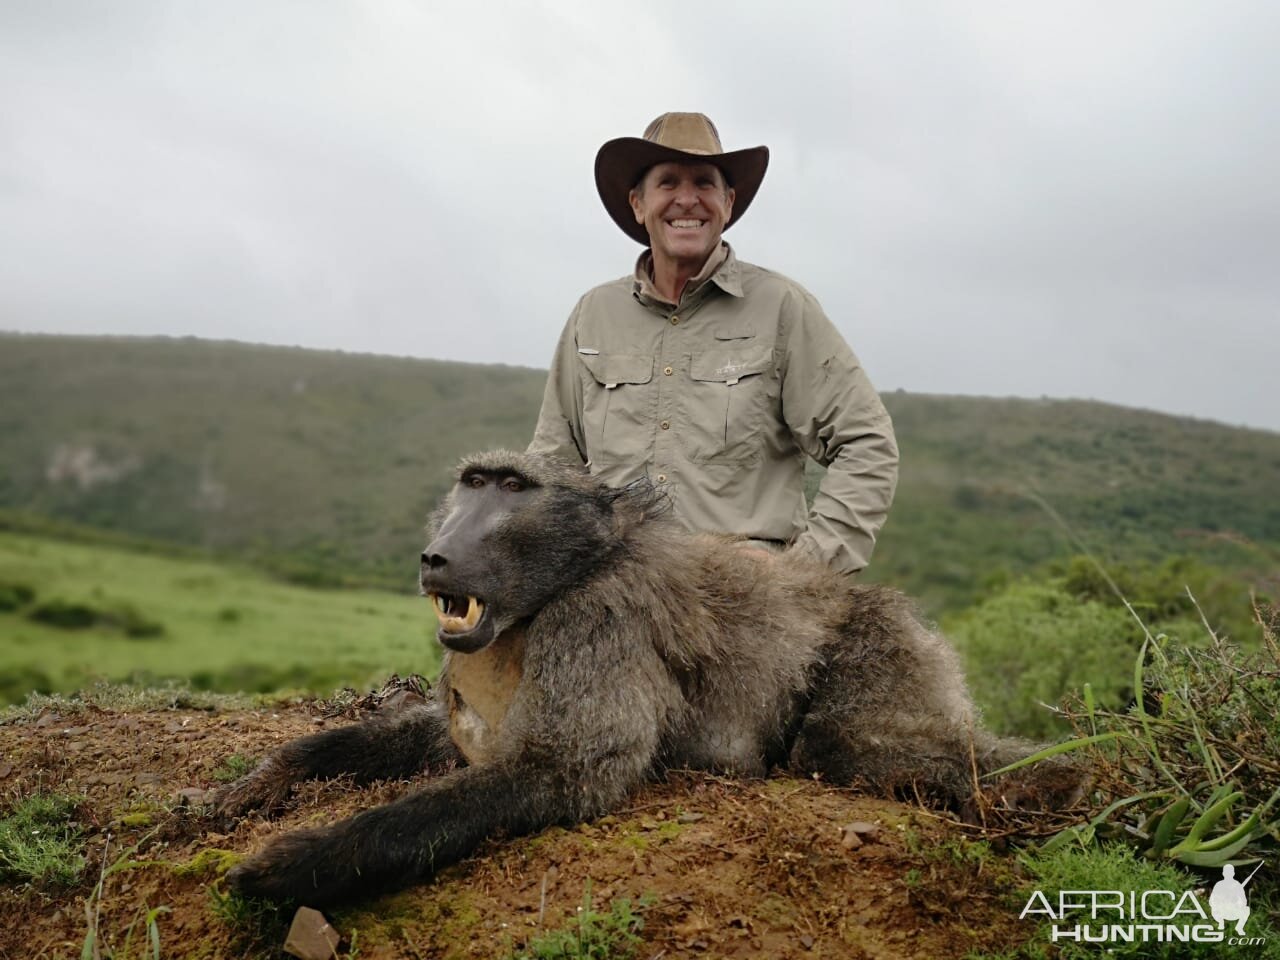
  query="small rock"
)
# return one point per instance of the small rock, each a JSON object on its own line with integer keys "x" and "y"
{"x": 191, "y": 797}
{"x": 45, "y": 720}
{"x": 851, "y": 840}
{"x": 807, "y": 942}
{"x": 311, "y": 937}
{"x": 145, "y": 779}
{"x": 5, "y": 770}
{"x": 860, "y": 827}
{"x": 690, "y": 817}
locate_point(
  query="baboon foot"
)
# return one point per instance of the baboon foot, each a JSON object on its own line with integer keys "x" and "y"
{"x": 1048, "y": 786}
{"x": 307, "y": 866}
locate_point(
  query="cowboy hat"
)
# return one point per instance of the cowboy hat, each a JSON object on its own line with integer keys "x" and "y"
{"x": 679, "y": 138}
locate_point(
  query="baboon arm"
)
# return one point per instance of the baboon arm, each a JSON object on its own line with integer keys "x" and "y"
{"x": 414, "y": 739}
{"x": 405, "y": 842}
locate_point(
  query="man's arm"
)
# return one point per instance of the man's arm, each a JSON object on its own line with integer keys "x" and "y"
{"x": 559, "y": 431}
{"x": 837, "y": 418}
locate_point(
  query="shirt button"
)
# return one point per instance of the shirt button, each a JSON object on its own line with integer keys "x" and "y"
{"x": 665, "y": 424}
{"x": 662, "y": 478}
{"x": 668, "y": 371}
{"x": 674, "y": 321}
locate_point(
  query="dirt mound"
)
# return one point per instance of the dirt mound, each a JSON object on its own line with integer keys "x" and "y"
{"x": 716, "y": 868}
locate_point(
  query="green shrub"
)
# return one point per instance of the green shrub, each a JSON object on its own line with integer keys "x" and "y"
{"x": 1030, "y": 644}
{"x": 16, "y": 682}
{"x": 65, "y": 614}
{"x": 1187, "y": 772}
{"x": 76, "y": 615}
{"x": 591, "y": 935}
{"x": 15, "y": 596}
{"x": 127, "y": 618}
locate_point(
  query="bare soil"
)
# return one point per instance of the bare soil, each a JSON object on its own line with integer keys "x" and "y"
{"x": 725, "y": 868}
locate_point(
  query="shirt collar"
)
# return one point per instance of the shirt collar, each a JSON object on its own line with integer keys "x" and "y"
{"x": 721, "y": 269}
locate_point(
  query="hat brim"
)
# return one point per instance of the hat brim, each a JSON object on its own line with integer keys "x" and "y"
{"x": 620, "y": 164}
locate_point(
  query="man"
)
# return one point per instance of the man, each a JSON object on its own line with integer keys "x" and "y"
{"x": 711, "y": 376}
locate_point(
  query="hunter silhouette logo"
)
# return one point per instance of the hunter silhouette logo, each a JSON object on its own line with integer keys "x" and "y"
{"x": 1148, "y": 916}
{"x": 1228, "y": 901}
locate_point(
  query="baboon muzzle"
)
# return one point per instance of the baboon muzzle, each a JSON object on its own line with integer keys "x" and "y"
{"x": 450, "y": 612}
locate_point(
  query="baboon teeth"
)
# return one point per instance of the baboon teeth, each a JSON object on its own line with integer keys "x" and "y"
{"x": 450, "y": 622}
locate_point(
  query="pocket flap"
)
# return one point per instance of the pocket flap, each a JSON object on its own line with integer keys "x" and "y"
{"x": 734, "y": 331}
{"x": 611, "y": 369}
{"x": 730, "y": 366}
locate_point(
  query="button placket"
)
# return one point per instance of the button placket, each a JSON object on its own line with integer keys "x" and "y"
{"x": 670, "y": 350}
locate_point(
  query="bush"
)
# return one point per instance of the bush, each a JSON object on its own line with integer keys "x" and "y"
{"x": 1031, "y": 644}
{"x": 65, "y": 614}
{"x": 1188, "y": 771}
{"x": 18, "y": 681}
{"x": 75, "y": 615}
{"x": 126, "y": 617}
{"x": 15, "y": 596}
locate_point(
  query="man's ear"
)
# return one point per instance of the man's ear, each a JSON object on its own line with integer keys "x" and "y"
{"x": 729, "y": 196}
{"x": 637, "y": 207}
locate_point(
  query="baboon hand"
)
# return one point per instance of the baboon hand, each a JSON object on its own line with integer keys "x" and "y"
{"x": 265, "y": 788}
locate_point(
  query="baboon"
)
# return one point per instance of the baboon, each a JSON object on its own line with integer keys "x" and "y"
{"x": 591, "y": 644}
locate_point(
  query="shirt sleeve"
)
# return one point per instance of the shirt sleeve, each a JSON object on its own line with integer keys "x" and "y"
{"x": 837, "y": 418}
{"x": 559, "y": 433}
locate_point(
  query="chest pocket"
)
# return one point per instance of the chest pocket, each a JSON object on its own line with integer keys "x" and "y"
{"x": 617, "y": 406}
{"x": 727, "y": 397}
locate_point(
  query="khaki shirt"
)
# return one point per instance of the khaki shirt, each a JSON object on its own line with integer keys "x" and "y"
{"x": 717, "y": 400}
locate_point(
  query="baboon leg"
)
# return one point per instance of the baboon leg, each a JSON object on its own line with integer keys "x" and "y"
{"x": 407, "y": 841}
{"x": 889, "y": 709}
{"x": 414, "y": 739}
{"x": 899, "y": 756}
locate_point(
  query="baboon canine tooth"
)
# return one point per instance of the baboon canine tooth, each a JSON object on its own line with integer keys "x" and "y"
{"x": 474, "y": 609}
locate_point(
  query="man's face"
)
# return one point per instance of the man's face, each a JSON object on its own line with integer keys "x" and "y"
{"x": 684, "y": 207}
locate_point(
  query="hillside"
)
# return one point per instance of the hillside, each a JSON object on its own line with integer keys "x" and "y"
{"x": 325, "y": 465}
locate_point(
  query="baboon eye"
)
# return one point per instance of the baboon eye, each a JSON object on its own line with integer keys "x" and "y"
{"x": 475, "y": 481}
{"x": 512, "y": 485}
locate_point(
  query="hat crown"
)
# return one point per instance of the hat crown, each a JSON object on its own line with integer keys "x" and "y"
{"x": 687, "y": 132}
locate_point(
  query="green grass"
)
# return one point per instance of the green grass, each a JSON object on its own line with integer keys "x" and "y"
{"x": 591, "y": 935}
{"x": 40, "y": 841}
{"x": 233, "y": 768}
{"x": 220, "y": 627}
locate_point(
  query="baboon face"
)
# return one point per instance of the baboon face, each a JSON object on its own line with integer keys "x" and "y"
{"x": 506, "y": 542}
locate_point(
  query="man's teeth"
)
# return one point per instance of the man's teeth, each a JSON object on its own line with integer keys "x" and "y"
{"x": 680, "y": 224}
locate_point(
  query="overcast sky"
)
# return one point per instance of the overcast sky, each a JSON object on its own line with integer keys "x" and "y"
{"x": 1023, "y": 198}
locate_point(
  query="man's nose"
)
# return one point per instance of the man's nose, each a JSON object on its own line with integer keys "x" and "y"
{"x": 687, "y": 195}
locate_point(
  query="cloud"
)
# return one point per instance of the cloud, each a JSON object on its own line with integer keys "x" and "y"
{"x": 999, "y": 199}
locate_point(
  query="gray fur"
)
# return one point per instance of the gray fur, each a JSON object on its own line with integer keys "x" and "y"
{"x": 643, "y": 648}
